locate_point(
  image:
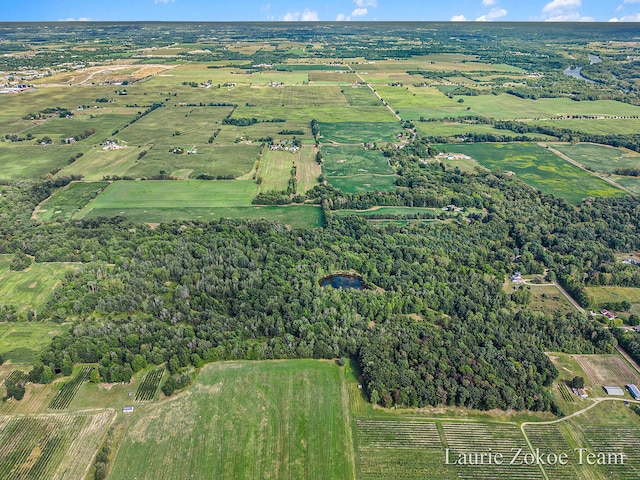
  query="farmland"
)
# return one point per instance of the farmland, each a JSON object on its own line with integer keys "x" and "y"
{"x": 275, "y": 168}
{"x": 600, "y": 158}
{"x": 21, "y": 342}
{"x": 539, "y": 168}
{"x": 67, "y": 201}
{"x": 345, "y": 161}
{"x": 246, "y": 420}
{"x": 50, "y": 446}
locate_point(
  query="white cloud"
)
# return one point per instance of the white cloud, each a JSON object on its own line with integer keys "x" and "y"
{"x": 458, "y": 18}
{"x": 366, "y": 3}
{"x": 81, "y": 19}
{"x": 342, "y": 17}
{"x": 306, "y": 16}
{"x": 627, "y": 18}
{"x": 569, "y": 17}
{"x": 359, "y": 12}
{"x": 561, "y": 5}
{"x": 488, "y": 3}
{"x": 631, "y": 1}
{"x": 164, "y": 2}
{"x": 492, "y": 15}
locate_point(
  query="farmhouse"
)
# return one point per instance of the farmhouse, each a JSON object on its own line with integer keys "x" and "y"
{"x": 633, "y": 390}
{"x": 607, "y": 314}
{"x": 613, "y": 390}
{"x": 582, "y": 393}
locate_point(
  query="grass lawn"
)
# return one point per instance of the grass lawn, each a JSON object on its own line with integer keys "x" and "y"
{"x": 29, "y": 289}
{"x": 353, "y": 160}
{"x": 275, "y": 170}
{"x": 539, "y": 168}
{"x": 65, "y": 202}
{"x": 360, "y": 132}
{"x": 281, "y": 419}
{"x": 364, "y": 183}
{"x": 21, "y": 342}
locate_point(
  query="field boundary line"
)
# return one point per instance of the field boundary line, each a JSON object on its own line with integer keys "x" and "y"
{"x": 628, "y": 358}
{"x": 570, "y": 298}
{"x": 582, "y": 167}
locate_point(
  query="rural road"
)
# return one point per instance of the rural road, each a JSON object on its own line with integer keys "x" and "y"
{"x": 377, "y": 95}
{"x": 570, "y": 298}
{"x": 582, "y": 167}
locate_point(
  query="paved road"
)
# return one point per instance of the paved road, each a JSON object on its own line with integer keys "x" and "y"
{"x": 570, "y": 298}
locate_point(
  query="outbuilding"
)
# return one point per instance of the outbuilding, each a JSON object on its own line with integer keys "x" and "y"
{"x": 614, "y": 391}
{"x": 633, "y": 390}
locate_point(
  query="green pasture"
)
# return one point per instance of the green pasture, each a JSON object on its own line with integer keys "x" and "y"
{"x": 600, "y": 158}
{"x": 361, "y": 96}
{"x": 509, "y": 107}
{"x": 595, "y": 126}
{"x": 631, "y": 183}
{"x": 98, "y": 163}
{"x": 389, "y": 211}
{"x": 29, "y": 289}
{"x": 307, "y": 169}
{"x": 211, "y": 160}
{"x": 539, "y": 168}
{"x": 322, "y": 113}
{"x": 164, "y": 201}
{"x": 175, "y": 125}
{"x": 364, "y": 183}
{"x": 360, "y": 132}
{"x": 21, "y": 161}
{"x": 353, "y": 160}
{"x": 22, "y": 342}
{"x": 65, "y": 202}
{"x": 252, "y": 420}
{"x": 275, "y": 170}
{"x": 604, "y": 294}
{"x": 452, "y": 129}
{"x": 61, "y": 128}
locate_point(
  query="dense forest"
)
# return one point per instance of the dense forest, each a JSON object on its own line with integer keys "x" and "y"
{"x": 438, "y": 329}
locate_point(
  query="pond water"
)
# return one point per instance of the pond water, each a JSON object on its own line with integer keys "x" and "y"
{"x": 343, "y": 280}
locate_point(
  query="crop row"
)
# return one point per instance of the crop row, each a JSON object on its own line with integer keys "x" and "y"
{"x": 32, "y": 447}
{"x": 550, "y": 438}
{"x": 147, "y": 389}
{"x": 398, "y": 434}
{"x": 616, "y": 440}
{"x": 566, "y": 393}
{"x": 16, "y": 375}
{"x": 68, "y": 390}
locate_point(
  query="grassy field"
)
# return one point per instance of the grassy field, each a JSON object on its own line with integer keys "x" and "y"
{"x": 505, "y": 107}
{"x": 604, "y": 370}
{"x": 361, "y": 96}
{"x": 307, "y": 169}
{"x": 389, "y": 211}
{"x": 29, "y": 289}
{"x": 21, "y": 342}
{"x": 51, "y": 446}
{"x": 539, "y": 168}
{"x": 353, "y": 160}
{"x": 275, "y": 170}
{"x": 65, "y": 202}
{"x": 600, "y": 158}
{"x": 322, "y": 113}
{"x": 245, "y": 420}
{"x": 164, "y": 201}
{"x": 602, "y": 295}
{"x": 364, "y": 183}
{"x": 22, "y": 161}
{"x": 359, "y": 132}
{"x": 452, "y": 129}
{"x": 599, "y": 126}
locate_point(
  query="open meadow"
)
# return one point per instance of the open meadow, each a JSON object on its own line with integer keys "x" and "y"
{"x": 254, "y": 420}
{"x": 539, "y": 168}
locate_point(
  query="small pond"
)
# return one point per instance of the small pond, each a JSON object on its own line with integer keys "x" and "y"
{"x": 344, "y": 280}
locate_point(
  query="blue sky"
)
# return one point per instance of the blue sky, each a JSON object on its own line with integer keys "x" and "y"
{"x": 323, "y": 10}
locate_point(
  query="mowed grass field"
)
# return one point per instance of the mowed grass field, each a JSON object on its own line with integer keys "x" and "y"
{"x": 65, "y": 202}
{"x": 275, "y": 170}
{"x": 21, "y": 342}
{"x": 353, "y": 132}
{"x": 166, "y": 200}
{"x": 539, "y": 168}
{"x": 353, "y": 160}
{"x": 364, "y": 183}
{"x": 30, "y": 289}
{"x": 22, "y": 161}
{"x": 307, "y": 169}
{"x": 250, "y": 420}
